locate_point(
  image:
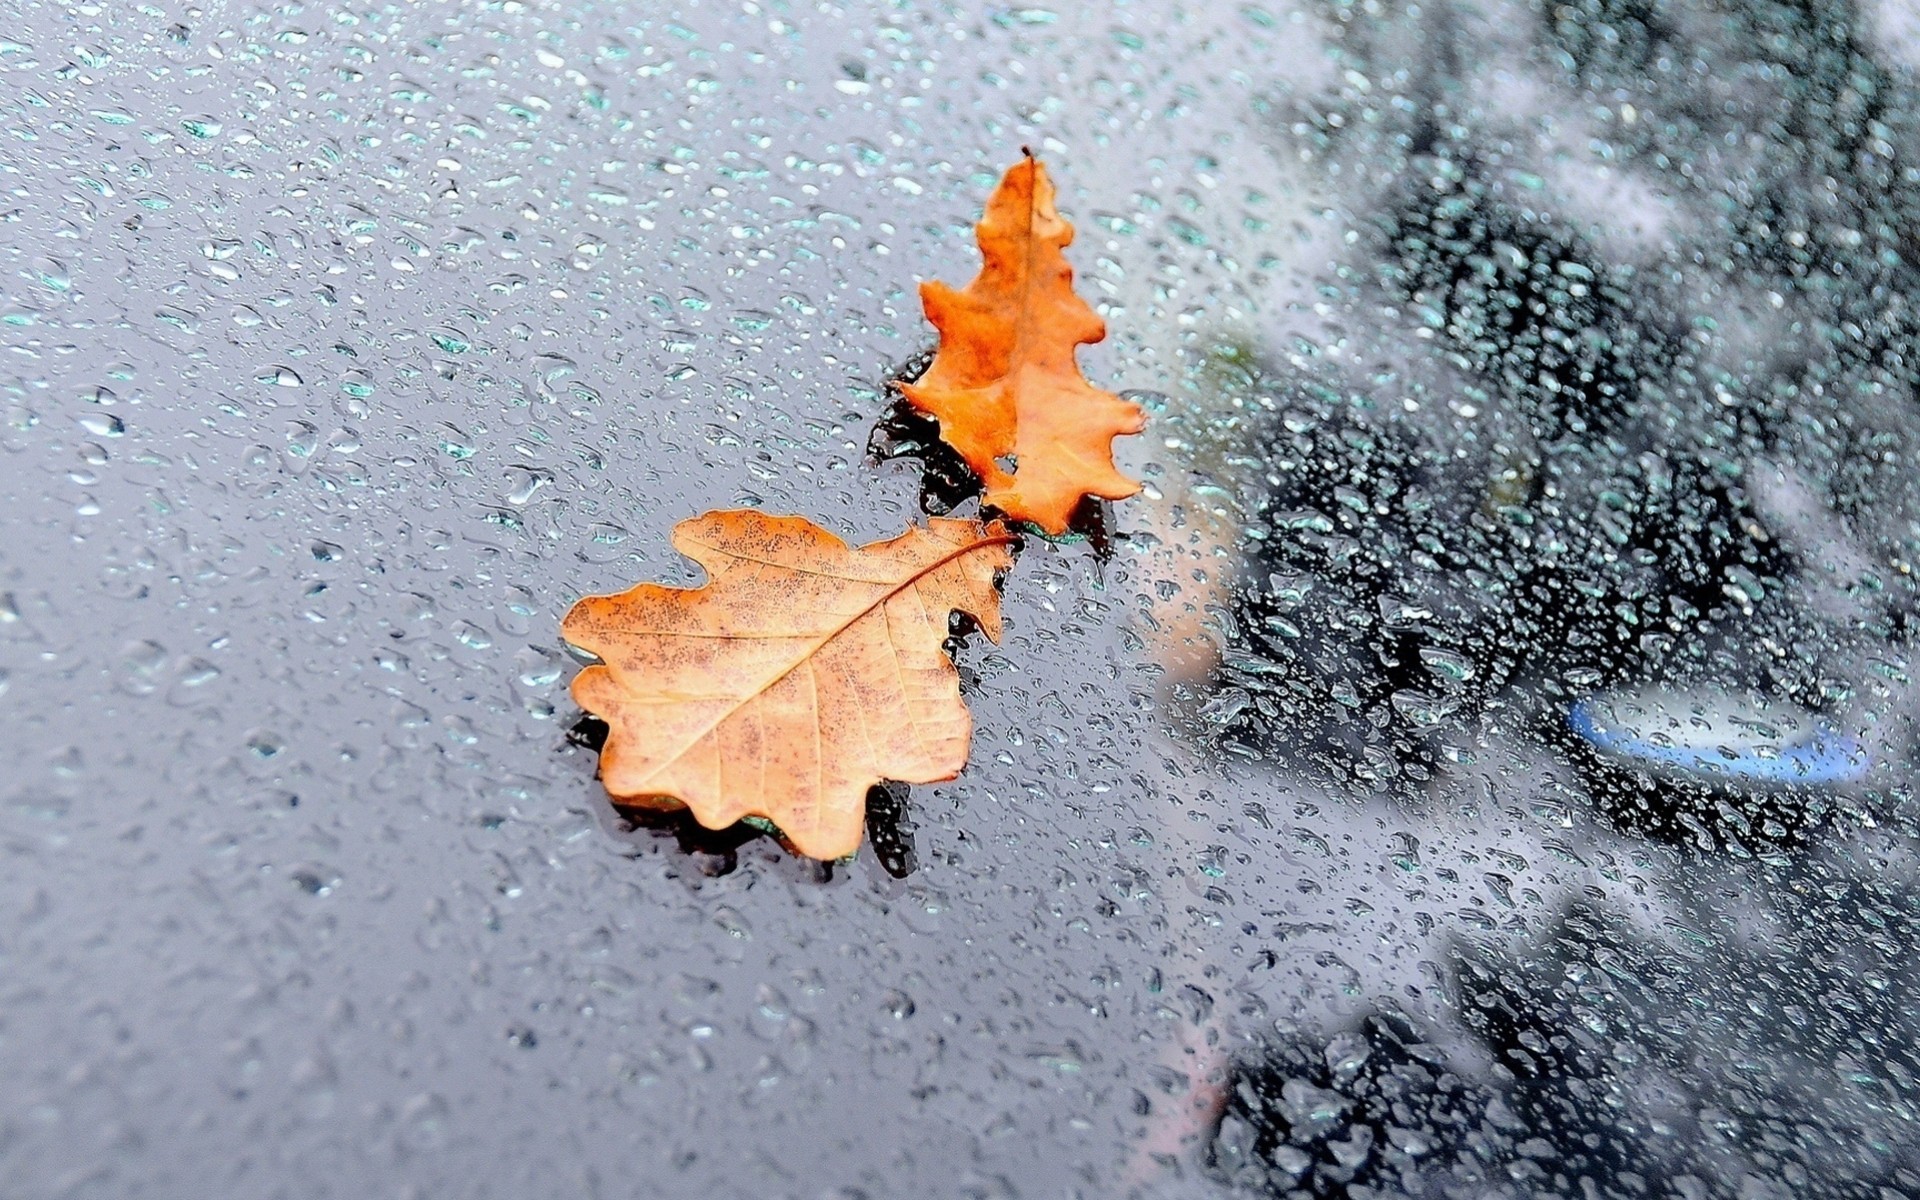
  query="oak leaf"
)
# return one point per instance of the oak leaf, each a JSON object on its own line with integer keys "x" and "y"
{"x": 1005, "y": 383}
{"x": 800, "y": 674}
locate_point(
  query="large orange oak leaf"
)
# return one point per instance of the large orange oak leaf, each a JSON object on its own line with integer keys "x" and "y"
{"x": 1005, "y": 383}
{"x": 800, "y": 674}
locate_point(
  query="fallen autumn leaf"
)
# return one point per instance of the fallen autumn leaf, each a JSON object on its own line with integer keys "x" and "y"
{"x": 1005, "y": 384}
{"x": 803, "y": 672}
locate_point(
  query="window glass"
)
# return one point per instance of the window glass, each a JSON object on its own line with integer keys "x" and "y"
{"x": 1478, "y": 763}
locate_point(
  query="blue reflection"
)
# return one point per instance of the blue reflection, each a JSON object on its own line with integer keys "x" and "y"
{"x": 1821, "y": 756}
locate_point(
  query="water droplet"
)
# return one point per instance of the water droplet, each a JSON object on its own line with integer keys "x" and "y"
{"x": 538, "y": 668}
{"x": 523, "y": 482}
{"x": 141, "y": 665}
{"x": 303, "y": 438}
{"x": 103, "y": 425}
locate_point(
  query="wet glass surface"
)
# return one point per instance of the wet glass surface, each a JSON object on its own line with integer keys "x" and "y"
{"x": 1479, "y": 763}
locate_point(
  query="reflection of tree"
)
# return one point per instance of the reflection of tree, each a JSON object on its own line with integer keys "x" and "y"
{"x": 1575, "y": 461}
{"x": 1814, "y": 201}
{"x": 1591, "y": 532}
{"x": 1555, "y": 456}
{"x": 1374, "y": 1111}
{"x": 1713, "y": 1057}
{"x": 1624, "y": 1065}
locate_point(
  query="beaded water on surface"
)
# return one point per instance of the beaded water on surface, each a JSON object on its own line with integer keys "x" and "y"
{"x": 1503, "y": 363}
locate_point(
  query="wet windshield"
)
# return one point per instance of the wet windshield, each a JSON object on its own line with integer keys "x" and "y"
{"x": 1477, "y": 763}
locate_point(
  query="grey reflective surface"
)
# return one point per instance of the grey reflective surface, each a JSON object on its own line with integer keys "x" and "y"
{"x": 1508, "y": 363}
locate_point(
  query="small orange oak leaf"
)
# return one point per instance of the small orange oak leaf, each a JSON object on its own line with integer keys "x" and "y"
{"x": 1005, "y": 383}
{"x": 801, "y": 673}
